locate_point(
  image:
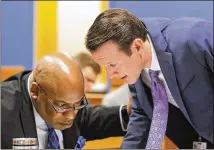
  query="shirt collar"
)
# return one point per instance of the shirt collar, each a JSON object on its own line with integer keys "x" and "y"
{"x": 155, "y": 64}
{"x": 40, "y": 123}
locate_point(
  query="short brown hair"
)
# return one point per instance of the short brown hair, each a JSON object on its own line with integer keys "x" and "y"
{"x": 84, "y": 59}
{"x": 117, "y": 25}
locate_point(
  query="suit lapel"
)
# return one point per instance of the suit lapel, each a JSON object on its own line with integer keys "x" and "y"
{"x": 143, "y": 96}
{"x": 27, "y": 116}
{"x": 165, "y": 61}
{"x": 167, "y": 68}
{"x": 28, "y": 124}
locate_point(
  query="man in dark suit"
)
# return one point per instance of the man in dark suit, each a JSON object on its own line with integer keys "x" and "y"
{"x": 169, "y": 66}
{"x": 49, "y": 102}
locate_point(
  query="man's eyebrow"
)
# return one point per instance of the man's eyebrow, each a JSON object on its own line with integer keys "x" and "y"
{"x": 108, "y": 63}
{"x": 91, "y": 80}
{"x": 98, "y": 58}
{"x": 79, "y": 100}
{"x": 60, "y": 101}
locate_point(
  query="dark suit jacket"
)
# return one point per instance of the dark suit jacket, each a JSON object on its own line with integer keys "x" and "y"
{"x": 184, "y": 49}
{"x": 17, "y": 117}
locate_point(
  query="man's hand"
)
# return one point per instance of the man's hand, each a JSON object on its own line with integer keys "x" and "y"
{"x": 129, "y": 106}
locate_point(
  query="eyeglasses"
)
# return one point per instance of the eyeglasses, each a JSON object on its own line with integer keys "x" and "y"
{"x": 60, "y": 109}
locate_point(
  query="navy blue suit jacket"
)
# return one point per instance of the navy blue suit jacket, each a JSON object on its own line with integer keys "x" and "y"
{"x": 184, "y": 49}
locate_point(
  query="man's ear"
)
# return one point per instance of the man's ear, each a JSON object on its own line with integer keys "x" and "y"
{"x": 137, "y": 46}
{"x": 34, "y": 91}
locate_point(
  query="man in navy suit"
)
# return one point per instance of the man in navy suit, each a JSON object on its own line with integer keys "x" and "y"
{"x": 168, "y": 65}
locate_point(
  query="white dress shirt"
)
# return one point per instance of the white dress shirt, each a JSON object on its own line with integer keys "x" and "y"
{"x": 42, "y": 130}
{"x": 156, "y": 66}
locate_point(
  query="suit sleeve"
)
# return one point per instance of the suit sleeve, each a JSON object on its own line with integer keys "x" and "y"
{"x": 200, "y": 41}
{"x": 100, "y": 122}
{"x": 138, "y": 127}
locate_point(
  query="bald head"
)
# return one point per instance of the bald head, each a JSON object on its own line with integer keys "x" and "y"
{"x": 57, "y": 89}
{"x": 58, "y": 73}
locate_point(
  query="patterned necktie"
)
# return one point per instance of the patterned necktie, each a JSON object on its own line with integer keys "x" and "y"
{"x": 53, "y": 141}
{"x": 160, "y": 113}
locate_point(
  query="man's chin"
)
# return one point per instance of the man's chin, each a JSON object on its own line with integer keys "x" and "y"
{"x": 129, "y": 81}
{"x": 62, "y": 126}
{"x": 132, "y": 79}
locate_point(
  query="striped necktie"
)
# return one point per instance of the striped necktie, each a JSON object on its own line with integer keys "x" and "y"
{"x": 53, "y": 141}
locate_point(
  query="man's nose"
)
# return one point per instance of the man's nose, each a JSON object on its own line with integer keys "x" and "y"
{"x": 112, "y": 73}
{"x": 70, "y": 114}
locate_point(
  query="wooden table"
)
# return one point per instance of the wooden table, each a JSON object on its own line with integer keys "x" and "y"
{"x": 95, "y": 98}
{"x": 108, "y": 143}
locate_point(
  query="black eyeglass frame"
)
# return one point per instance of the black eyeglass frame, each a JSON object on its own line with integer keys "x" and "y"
{"x": 61, "y": 110}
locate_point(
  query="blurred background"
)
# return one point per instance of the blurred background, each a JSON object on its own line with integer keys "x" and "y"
{"x": 32, "y": 29}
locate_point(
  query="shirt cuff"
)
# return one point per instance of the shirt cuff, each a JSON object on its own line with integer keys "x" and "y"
{"x": 122, "y": 122}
